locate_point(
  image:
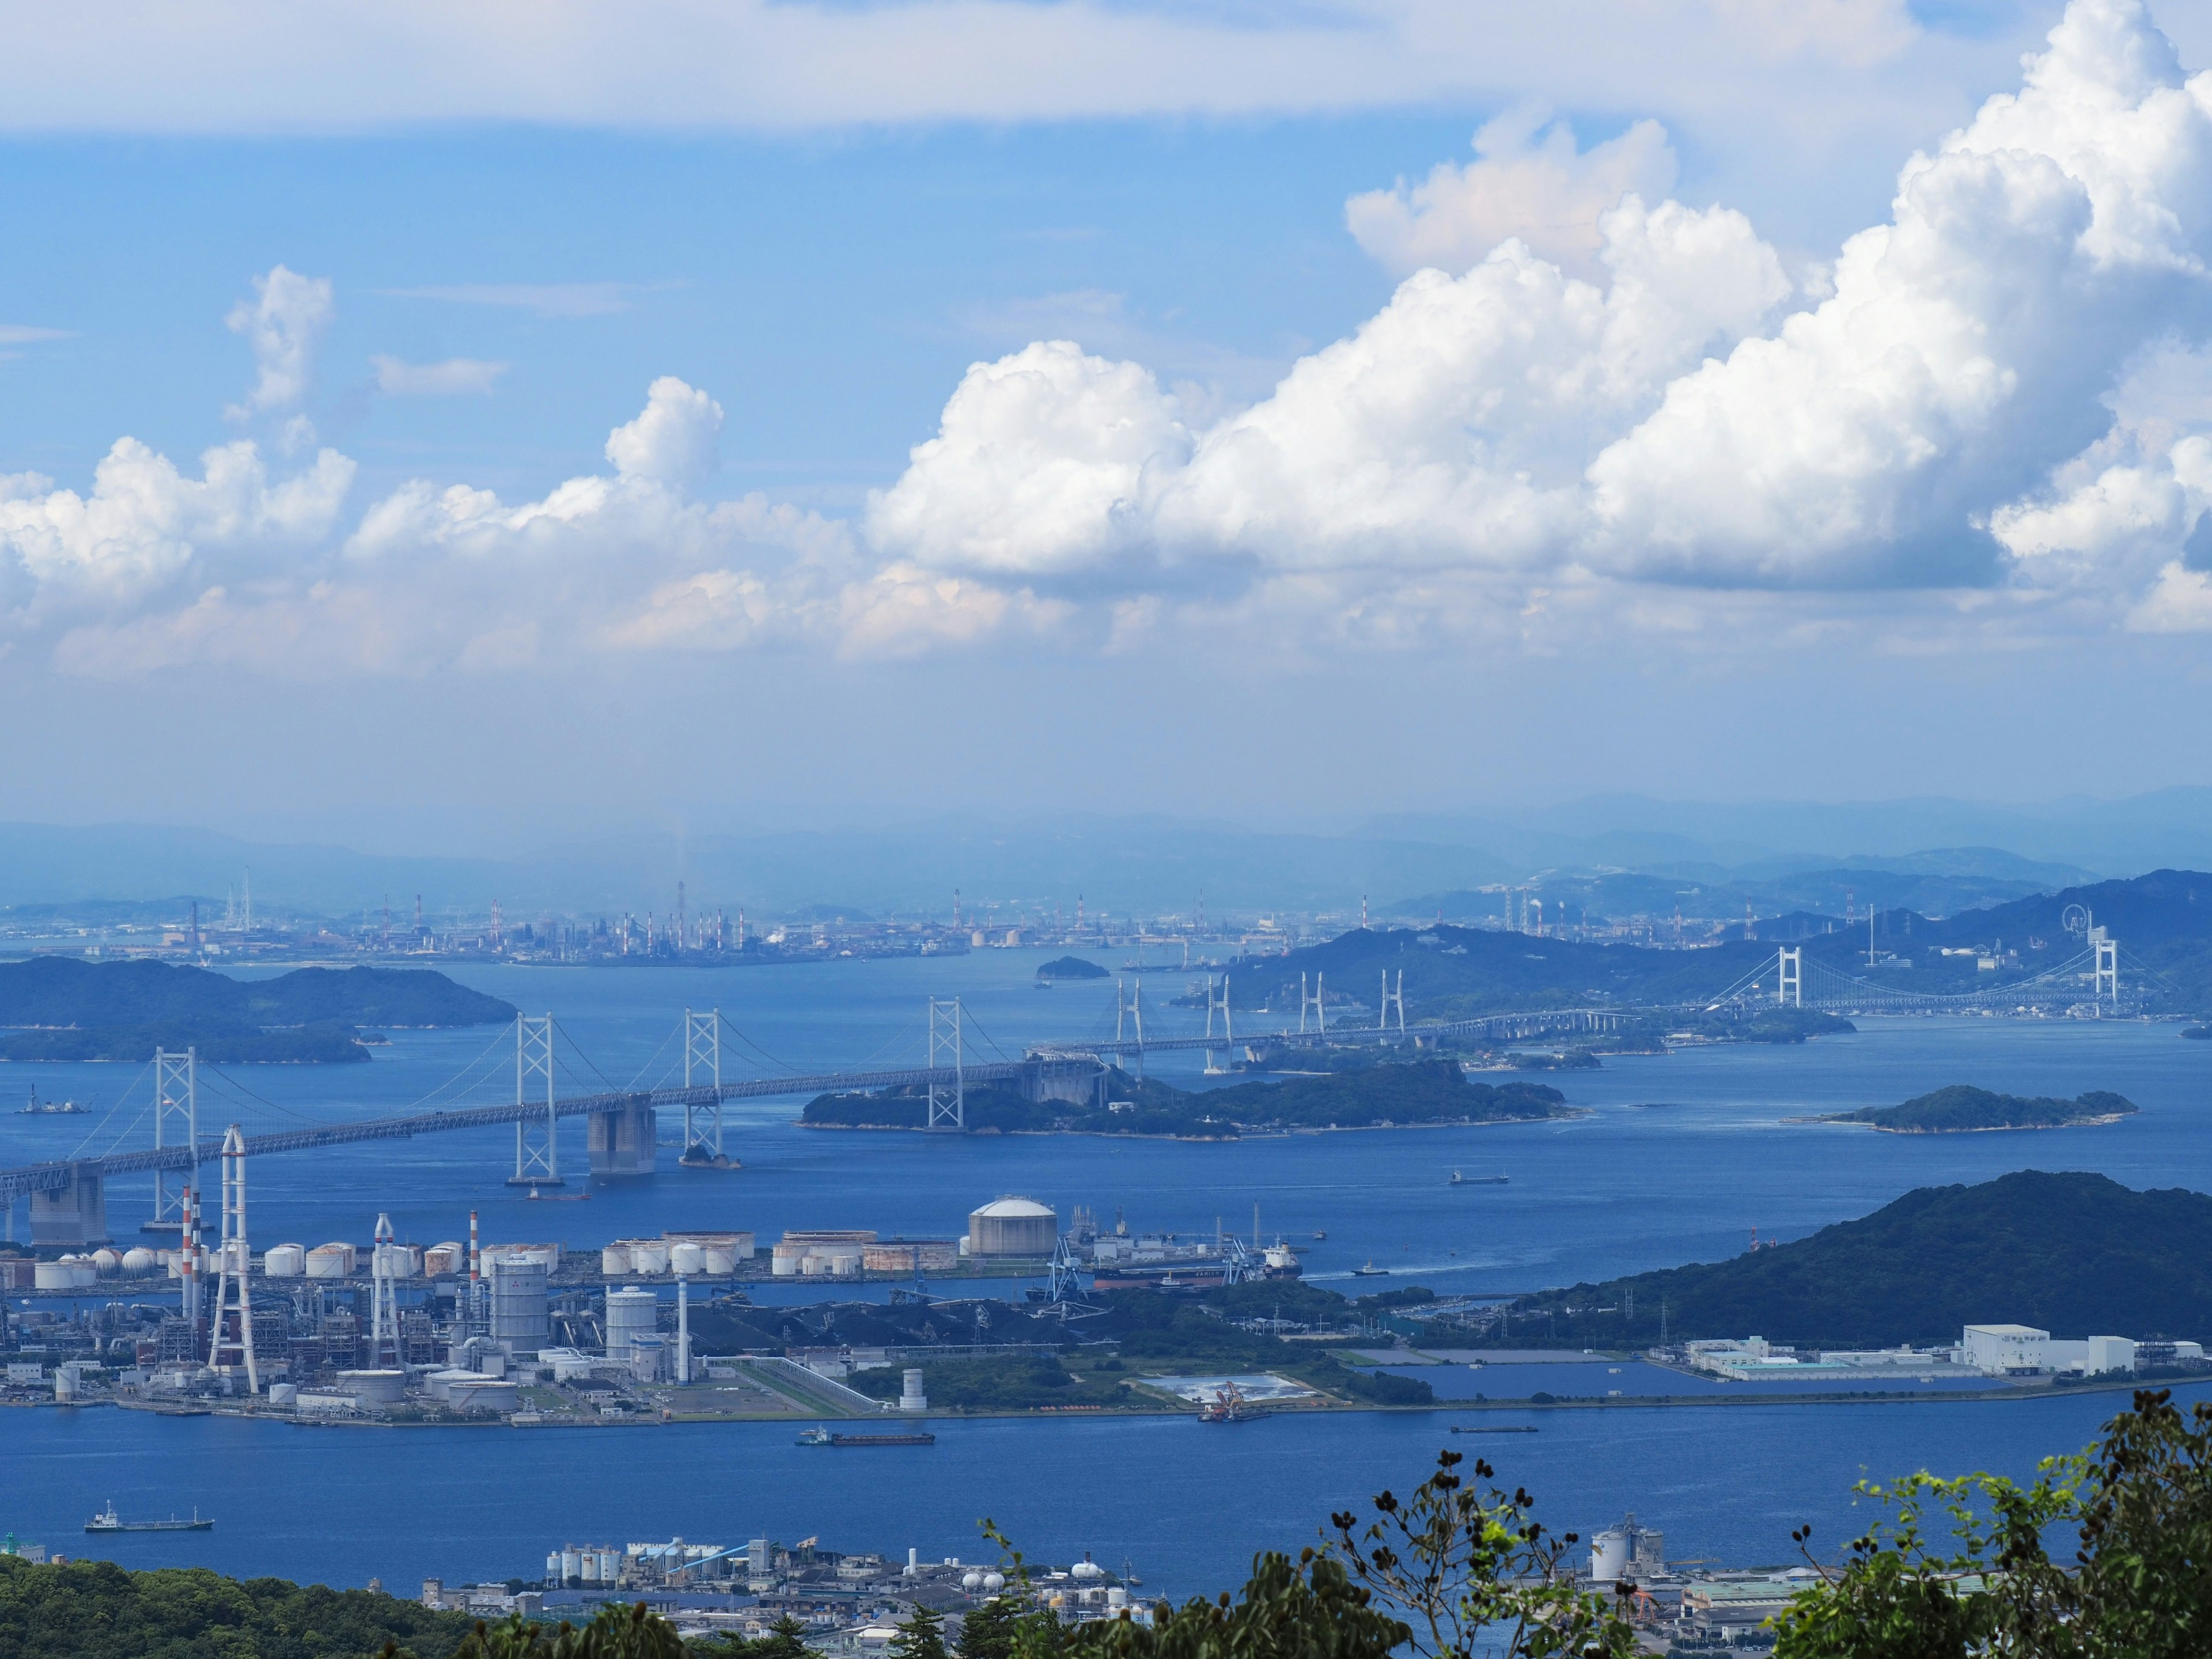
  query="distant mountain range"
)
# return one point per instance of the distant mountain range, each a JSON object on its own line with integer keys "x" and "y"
{"x": 1931, "y": 856}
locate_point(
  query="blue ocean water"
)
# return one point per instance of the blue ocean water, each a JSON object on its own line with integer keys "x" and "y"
{"x": 1681, "y": 1157}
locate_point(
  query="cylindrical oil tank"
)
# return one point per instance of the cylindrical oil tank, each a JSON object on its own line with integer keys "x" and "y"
{"x": 813, "y": 1264}
{"x": 330, "y": 1262}
{"x": 844, "y": 1260}
{"x": 787, "y": 1258}
{"x": 589, "y": 1565}
{"x": 1609, "y": 1556}
{"x": 519, "y": 1319}
{"x": 83, "y": 1274}
{"x": 54, "y": 1276}
{"x": 718, "y": 1259}
{"x": 614, "y": 1260}
{"x": 648, "y": 1255}
{"x": 686, "y": 1258}
{"x": 553, "y": 1567}
{"x": 285, "y": 1262}
{"x": 377, "y": 1387}
{"x": 1013, "y": 1227}
{"x": 284, "y": 1394}
{"x": 631, "y": 1313}
{"x": 572, "y": 1565}
{"x": 442, "y": 1261}
{"x": 137, "y": 1259}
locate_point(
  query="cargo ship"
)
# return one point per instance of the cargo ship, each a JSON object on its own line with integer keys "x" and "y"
{"x": 1459, "y": 1180}
{"x": 823, "y": 1438}
{"x": 108, "y": 1521}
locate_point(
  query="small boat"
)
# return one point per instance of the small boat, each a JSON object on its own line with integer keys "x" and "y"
{"x": 1459, "y": 1180}
{"x": 1370, "y": 1271}
{"x": 537, "y": 1197}
{"x": 108, "y": 1521}
{"x": 1319, "y": 1235}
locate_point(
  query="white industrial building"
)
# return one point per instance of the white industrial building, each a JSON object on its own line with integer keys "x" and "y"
{"x": 2024, "y": 1351}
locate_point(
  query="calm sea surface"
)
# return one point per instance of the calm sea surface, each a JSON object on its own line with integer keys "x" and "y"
{"x": 1681, "y": 1156}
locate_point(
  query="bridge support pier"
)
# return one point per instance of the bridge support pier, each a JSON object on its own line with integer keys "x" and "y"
{"x": 71, "y": 1216}
{"x": 624, "y": 1139}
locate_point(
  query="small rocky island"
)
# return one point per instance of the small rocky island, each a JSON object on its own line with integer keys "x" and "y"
{"x": 1069, "y": 968}
{"x": 1962, "y": 1109}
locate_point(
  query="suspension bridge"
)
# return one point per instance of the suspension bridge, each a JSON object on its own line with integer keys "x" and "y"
{"x": 68, "y": 1196}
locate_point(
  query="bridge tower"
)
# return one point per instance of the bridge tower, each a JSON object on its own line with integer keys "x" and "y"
{"x": 1129, "y": 1011}
{"x": 2108, "y": 967}
{"x": 1320, "y": 1018}
{"x": 703, "y": 1069}
{"x": 231, "y": 1343}
{"x": 536, "y": 1164}
{"x": 1217, "y": 1059}
{"x": 948, "y": 1106}
{"x": 176, "y": 1123}
{"x": 1790, "y": 979}
{"x": 1392, "y": 998}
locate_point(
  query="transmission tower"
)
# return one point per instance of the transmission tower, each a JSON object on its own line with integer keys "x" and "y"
{"x": 948, "y": 1105}
{"x": 535, "y": 1164}
{"x": 176, "y": 1123}
{"x": 384, "y": 1308}
{"x": 232, "y": 1298}
{"x": 1790, "y": 982}
{"x": 703, "y": 1069}
{"x": 1393, "y": 999}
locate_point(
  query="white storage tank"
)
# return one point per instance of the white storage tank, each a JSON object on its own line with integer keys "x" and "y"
{"x": 686, "y": 1258}
{"x": 631, "y": 1313}
{"x": 1013, "y": 1227}
{"x": 719, "y": 1260}
{"x": 54, "y": 1276}
{"x": 844, "y": 1261}
{"x": 787, "y": 1259}
{"x": 572, "y": 1565}
{"x": 648, "y": 1255}
{"x": 284, "y": 1394}
{"x": 377, "y": 1387}
{"x": 83, "y": 1274}
{"x": 285, "y": 1262}
{"x": 1609, "y": 1556}
{"x": 614, "y": 1260}
{"x": 330, "y": 1262}
{"x": 442, "y": 1261}
{"x": 106, "y": 1262}
{"x": 139, "y": 1260}
{"x": 610, "y": 1566}
{"x": 588, "y": 1565}
{"x": 994, "y": 1582}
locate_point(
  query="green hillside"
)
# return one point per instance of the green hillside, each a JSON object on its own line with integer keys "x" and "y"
{"x": 1962, "y": 1109}
{"x": 1421, "y": 1091}
{"x": 57, "y": 1008}
{"x": 2076, "y": 1254}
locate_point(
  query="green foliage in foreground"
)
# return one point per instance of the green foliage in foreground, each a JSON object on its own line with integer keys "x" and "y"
{"x": 2071, "y": 1253}
{"x": 97, "y": 1610}
{"x": 1960, "y": 1109}
{"x": 2139, "y": 1586}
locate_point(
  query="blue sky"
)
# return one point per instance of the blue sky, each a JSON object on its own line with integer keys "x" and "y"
{"x": 424, "y": 264}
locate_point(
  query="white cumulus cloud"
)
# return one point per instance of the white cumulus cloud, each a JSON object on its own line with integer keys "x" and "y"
{"x": 1666, "y": 416}
{"x": 1528, "y": 180}
{"x": 282, "y": 325}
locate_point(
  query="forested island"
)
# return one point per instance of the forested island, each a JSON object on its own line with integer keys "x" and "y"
{"x": 1391, "y": 1095}
{"x": 1962, "y": 1109}
{"x": 2072, "y": 1253}
{"x": 57, "y": 1008}
{"x": 1069, "y": 968}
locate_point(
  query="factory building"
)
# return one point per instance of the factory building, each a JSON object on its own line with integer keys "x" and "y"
{"x": 2024, "y": 1351}
{"x": 897, "y": 1255}
{"x": 1013, "y": 1227}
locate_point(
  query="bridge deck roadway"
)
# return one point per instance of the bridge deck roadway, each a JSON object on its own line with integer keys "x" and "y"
{"x": 57, "y": 1175}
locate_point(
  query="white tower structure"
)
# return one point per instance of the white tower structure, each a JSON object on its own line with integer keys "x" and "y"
{"x": 948, "y": 1106}
{"x": 1790, "y": 982}
{"x": 2108, "y": 967}
{"x": 384, "y": 1308}
{"x": 683, "y": 1324}
{"x": 1320, "y": 1017}
{"x": 233, "y": 1344}
{"x": 535, "y": 1165}
{"x": 176, "y": 1123}
{"x": 1393, "y": 998}
{"x": 703, "y": 1069}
